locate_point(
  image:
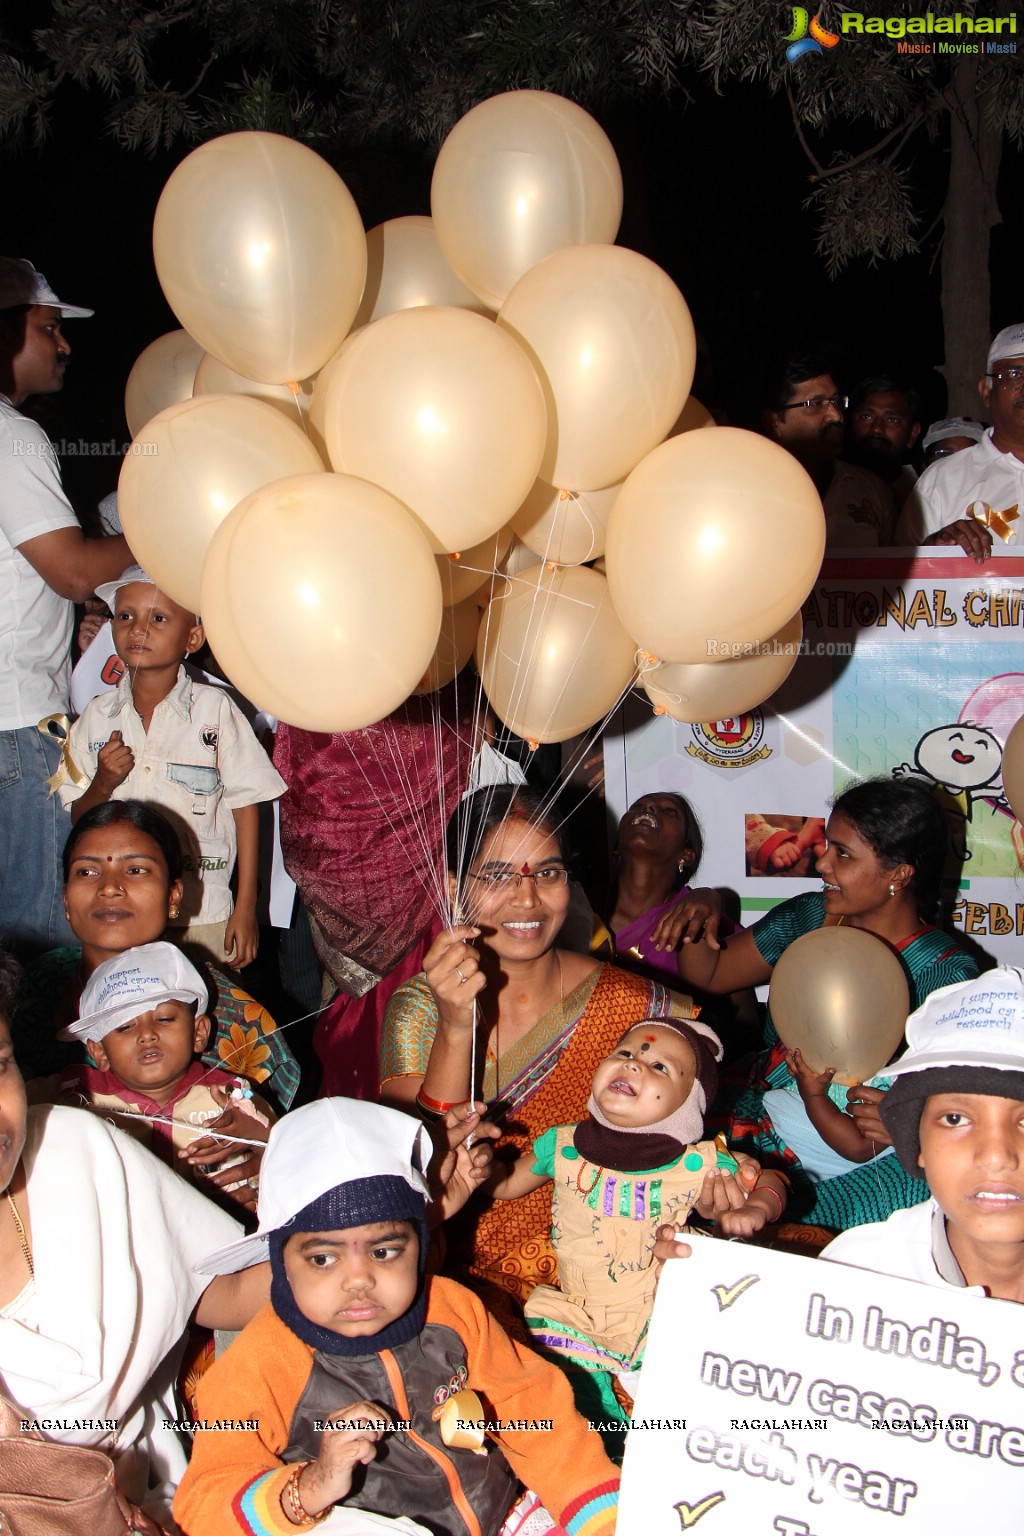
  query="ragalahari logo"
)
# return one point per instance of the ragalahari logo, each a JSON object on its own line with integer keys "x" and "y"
{"x": 807, "y": 36}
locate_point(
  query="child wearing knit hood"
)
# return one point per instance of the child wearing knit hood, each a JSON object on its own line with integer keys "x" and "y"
{"x": 352, "y": 1397}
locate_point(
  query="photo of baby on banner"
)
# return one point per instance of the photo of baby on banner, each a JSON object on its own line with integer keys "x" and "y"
{"x": 782, "y": 845}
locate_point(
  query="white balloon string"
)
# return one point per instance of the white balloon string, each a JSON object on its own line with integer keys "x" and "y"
{"x": 201, "y": 1132}
{"x": 233, "y": 1051}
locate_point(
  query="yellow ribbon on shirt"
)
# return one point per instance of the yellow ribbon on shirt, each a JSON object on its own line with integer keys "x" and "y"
{"x": 996, "y": 522}
{"x": 58, "y": 727}
{"x": 458, "y": 1421}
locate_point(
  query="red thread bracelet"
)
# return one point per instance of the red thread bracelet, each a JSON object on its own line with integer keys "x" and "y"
{"x": 766, "y": 1189}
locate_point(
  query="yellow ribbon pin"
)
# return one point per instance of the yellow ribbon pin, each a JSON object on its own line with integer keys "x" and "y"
{"x": 459, "y": 1421}
{"x": 996, "y": 522}
{"x": 57, "y": 727}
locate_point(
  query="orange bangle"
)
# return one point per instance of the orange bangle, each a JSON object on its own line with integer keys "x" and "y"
{"x": 435, "y": 1106}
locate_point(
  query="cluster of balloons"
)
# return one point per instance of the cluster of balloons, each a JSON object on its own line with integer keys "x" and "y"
{"x": 366, "y": 457}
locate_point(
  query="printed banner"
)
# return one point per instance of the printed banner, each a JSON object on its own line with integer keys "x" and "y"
{"x": 910, "y": 666}
{"x": 785, "y": 1396}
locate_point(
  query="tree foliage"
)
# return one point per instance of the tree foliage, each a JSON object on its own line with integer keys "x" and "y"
{"x": 899, "y": 146}
{"x": 320, "y": 69}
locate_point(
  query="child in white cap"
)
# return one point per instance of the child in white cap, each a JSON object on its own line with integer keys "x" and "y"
{"x": 956, "y": 1114}
{"x": 636, "y": 1161}
{"x": 351, "y": 1398}
{"x": 185, "y": 747}
{"x": 145, "y": 1024}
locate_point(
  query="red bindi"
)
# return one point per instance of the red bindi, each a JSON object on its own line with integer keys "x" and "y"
{"x": 650, "y": 1039}
{"x": 525, "y": 869}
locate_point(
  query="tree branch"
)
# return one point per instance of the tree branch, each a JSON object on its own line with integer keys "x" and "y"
{"x": 200, "y": 77}
{"x": 902, "y": 131}
{"x": 808, "y": 151}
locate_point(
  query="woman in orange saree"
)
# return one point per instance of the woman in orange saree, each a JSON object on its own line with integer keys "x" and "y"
{"x": 499, "y": 1000}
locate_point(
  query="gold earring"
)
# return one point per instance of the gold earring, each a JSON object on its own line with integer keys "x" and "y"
{"x": 892, "y": 888}
{"x": 173, "y": 911}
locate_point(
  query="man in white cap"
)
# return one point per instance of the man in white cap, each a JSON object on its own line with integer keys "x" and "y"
{"x": 955, "y": 1114}
{"x": 983, "y": 486}
{"x": 46, "y": 566}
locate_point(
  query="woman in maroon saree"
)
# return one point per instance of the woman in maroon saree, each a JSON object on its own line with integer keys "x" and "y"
{"x": 362, "y": 832}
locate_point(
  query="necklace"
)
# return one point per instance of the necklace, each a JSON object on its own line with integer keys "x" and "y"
{"x": 20, "y": 1229}
{"x": 594, "y": 1181}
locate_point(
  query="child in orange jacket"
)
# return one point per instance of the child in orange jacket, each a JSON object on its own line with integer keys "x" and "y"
{"x": 352, "y": 1397}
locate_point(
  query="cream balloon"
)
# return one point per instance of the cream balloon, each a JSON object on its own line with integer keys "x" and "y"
{"x": 406, "y": 268}
{"x": 693, "y": 417}
{"x": 162, "y": 374}
{"x": 612, "y": 340}
{"x": 520, "y": 558}
{"x": 187, "y": 469}
{"x": 552, "y": 656}
{"x": 567, "y": 527}
{"x": 469, "y": 570}
{"x": 444, "y": 411}
{"x": 215, "y": 378}
{"x": 321, "y": 601}
{"x": 714, "y": 690}
{"x": 520, "y": 176}
{"x": 1013, "y": 769}
{"x": 716, "y": 539}
{"x": 261, "y": 254}
{"x": 839, "y": 996}
{"x": 317, "y": 418}
{"x": 455, "y": 645}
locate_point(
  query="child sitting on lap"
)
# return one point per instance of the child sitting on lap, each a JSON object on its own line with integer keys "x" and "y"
{"x": 343, "y": 1381}
{"x": 635, "y": 1162}
{"x": 184, "y": 747}
{"x": 955, "y": 1113}
{"x": 145, "y": 1023}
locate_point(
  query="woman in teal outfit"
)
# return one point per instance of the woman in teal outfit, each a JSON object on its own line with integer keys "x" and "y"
{"x": 882, "y": 871}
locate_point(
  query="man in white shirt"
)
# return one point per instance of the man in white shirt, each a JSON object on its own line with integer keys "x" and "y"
{"x": 46, "y": 566}
{"x": 989, "y": 474}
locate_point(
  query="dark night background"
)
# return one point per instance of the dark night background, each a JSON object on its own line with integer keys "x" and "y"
{"x": 714, "y": 193}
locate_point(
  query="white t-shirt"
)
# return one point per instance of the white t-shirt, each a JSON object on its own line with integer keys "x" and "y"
{"x": 949, "y": 486}
{"x": 35, "y": 623}
{"x": 911, "y": 1244}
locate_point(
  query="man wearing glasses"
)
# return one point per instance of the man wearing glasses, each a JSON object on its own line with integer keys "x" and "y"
{"x": 806, "y": 418}
{"x": 957, "y": 500}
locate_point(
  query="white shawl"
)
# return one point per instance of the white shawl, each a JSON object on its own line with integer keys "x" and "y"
{"x": 115, "y": 1235}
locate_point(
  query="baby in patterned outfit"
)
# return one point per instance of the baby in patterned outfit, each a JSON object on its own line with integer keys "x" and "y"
{"x": 636, "y": 1163}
